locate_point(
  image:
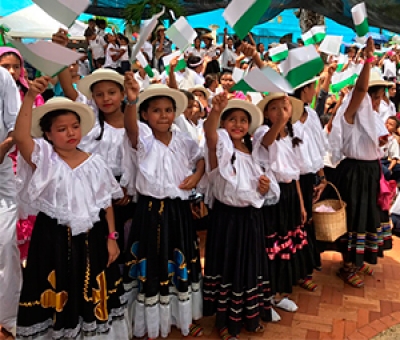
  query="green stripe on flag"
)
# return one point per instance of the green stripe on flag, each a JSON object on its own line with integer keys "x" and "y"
{"x": 251, "y": 17}
{"x": 304, "y": 72}
{"x": 181, "y": 65}
{"x": 242, "y": 86}
{"x": 345, "y": 82}
{"x": 319, "y": 37}
{"x": 279, "y": 56}
{"x": 309, "y": 41}
{"x": 149, "y": 71}
{"x": 363, "y": 28}
{"x": 339, "y": 67}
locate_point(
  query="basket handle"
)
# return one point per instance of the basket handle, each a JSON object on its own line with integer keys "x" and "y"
{"x": 337, "y": 192}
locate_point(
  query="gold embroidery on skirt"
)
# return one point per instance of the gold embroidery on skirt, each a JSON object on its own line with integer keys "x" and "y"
{"x": 100, "y": 297}
{"x": 51, "y": 299}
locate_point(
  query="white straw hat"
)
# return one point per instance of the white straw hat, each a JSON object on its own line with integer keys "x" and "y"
{"x": 86, "y": 114}
{"x": 155, "y": 90}
{"x": 102, "y": 74}
{"x": 375, "y": 79}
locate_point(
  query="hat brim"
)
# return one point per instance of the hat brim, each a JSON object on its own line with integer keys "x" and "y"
{"x": 177, "y": 96}
{"x": 297, "y": 105}
{"x": 310, "y": 81}
{"x": 207, "y": 36}
{"x": 200, "y": 89}
{"x": 86, "y": 114}
{"x": 255, "y": 113}
{"x": 380, "y": 83}
{"x": 85, "y": 84}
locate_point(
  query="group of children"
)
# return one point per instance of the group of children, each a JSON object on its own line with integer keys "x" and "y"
{"x": 111, "y": 180}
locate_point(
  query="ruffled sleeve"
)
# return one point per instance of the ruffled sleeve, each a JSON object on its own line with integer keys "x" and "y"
{"x": 274, "y": 192}
{"x": 225, "y": 151}
{"x": 129, "y": 168}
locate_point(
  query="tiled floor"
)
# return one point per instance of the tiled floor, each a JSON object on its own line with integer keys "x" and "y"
{"x": 336, "y": 311}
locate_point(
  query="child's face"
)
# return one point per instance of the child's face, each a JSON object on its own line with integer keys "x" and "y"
{"x": 189, "y": 109}
{"x": 108, "y": 96}
{"x": 274, "y": 109}
{"x": 391, "y": 125}
{"x": 227, "y": 81}
{"x": 376, "y": 99}
{"x": 160, "y": 114}
{"x": 65, "y": 132}
{"x": 236, "y": 124}
{"x": 309, "y": 93}
{"x": 12, "y": 64}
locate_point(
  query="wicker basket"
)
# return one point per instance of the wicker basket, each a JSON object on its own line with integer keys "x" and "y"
{"x": 329, "y": 226}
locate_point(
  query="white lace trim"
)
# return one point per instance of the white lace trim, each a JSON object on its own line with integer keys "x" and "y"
{"x": 92, "y": 327}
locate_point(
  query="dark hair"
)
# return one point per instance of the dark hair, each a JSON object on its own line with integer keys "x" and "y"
{"x": 189, "y": 95}
{"x": 144, "y": 106}
{"x": 297, "y": 93}
{"x": 396, "y": 120}
{"x": 258, "y": 46}
{"x": 209, "y": 79}
{"x": 374, "y": 89}
{"x": 101, "y": 115}
{"x": 325, "y": 118}
{"x": 47, "y": 120}
{"x": 289, "y": 129}
{"x": 7, "y": 54}
{"x": 237, "y": 44}
{"x": 247, "y": 138}
{"x": 92, "y": 20}
{"x": 88, "y": 32}
{"x": 193, "y": 60}
{"x": 224, "y": 72}
{"x": 122, "y": 37}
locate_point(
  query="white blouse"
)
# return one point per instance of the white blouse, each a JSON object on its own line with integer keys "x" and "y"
{"x": 386, "y": 110}
{"x": 235, "y": 181}
{"x": 361, "y": 139}
{"x": 110, "y": 146}
{"x": 162, "y": 168}
{"x": 391, "y": 149}
{"x": 72, "y": 196}
{"x": 310, "y": 153}
{"x": 278, "y": 157}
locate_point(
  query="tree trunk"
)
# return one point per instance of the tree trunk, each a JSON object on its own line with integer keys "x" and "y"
{"x": 309, "y": 19}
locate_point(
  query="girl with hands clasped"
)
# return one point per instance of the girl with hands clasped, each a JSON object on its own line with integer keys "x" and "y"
{"x": 163, "y": 264}
{"x": 236, "y": 282}
{"x": 290, "y": 258}
{"x": 71, "y": 282}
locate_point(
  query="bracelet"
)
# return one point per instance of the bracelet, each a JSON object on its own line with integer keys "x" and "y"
{"x": 322, "y": 178}
{"x": 369, "y": 60}
{"x": 132, "y": 102}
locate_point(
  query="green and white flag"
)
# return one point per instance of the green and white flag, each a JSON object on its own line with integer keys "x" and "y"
{"x": 263, "y": 80}
{"x": 314, "y": 36}
{"x": 346, "y": 78}
{"x": 47, "y": 57}
{"x": 181, "y": 34}
{"x": 64, "y": 11}
{"x": 302, "y": 64}
{"x": 342, "y": 60}
{"x": 278, "y": 53}
{"x": 331, "y": 45}
{"x": 242, "y": 16}
{"x": 143, "y": 62}
{"x": 181, "y": 65}
{"x": 360, "y": 19}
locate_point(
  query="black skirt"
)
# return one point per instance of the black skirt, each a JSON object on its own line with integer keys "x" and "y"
{"x": 307, "y": 183}
{"x": 290, "y": 257}
{"x": 67, "y": 288}
{"x": 358, "y": 184}
{"x": 163, "y": 264}
{"x": 236, "y": 282}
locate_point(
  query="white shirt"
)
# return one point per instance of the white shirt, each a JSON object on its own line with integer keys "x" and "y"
{"x": 84, "y": 68}
{"x": 279, "y": 157}
{"x": 188, "y": 79}
{"x": 228, "y": 56}
{"x": 389, "y": 68}
{"x": 391, "y": 149}
{"x": 361, "y": 139}
{"x": 386, "y": 110}
{"x": 162, "y": 168}
{"x": 109, "y": 54}
{"x": 148, "y": 48}
{"x": 73, "y": 196}
{"x": 310, "y": 153}
{"x": 97, "y": 46}
{"x": 186, "y": 126}
{"x": 235, "y": 181}
{"x": 195, "y": 52}
{"x": 125, "y": 56}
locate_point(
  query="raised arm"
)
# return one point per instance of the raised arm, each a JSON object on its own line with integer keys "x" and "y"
{"x": 250, "y": 51}
{"x": 130, "y": 116}
{"x": 64, "y": 77}
{"x": 211, "y": 125}
{"x": 361, "y": 87}
{"x": 23, "y": 125}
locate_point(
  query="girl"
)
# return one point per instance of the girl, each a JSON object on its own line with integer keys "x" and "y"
{"x": 356, "y": 134}
{"x": 387, "y": 107}
{"x": 71, "y": 284}
{"x": 310, "y": 155}
{"x": 11, "y": 60}
{"x": 163, "y": 265}
{"x": 227, "y": 83}
{"x": 125, "y": 64}
{"x": 203, "y": 95}
{"x": 391, "y": 151}
{"x": 236, "y": 281}
{"x": 103, "y": 91}
{"x": 286, "y": 239}
{"x": 113, "y": 52}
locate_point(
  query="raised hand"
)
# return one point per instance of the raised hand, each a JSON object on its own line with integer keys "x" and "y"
{"x": 219, "y": 102}
{"x": 38, "y": 86}
{"x": 131, "y": 86}
{"x": 61, "y": 37}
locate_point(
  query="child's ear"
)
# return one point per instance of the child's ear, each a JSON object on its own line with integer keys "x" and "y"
{"x": 144, "y": 115}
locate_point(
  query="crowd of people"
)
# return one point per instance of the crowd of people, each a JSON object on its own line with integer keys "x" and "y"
{"x": 108, "y": 173}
